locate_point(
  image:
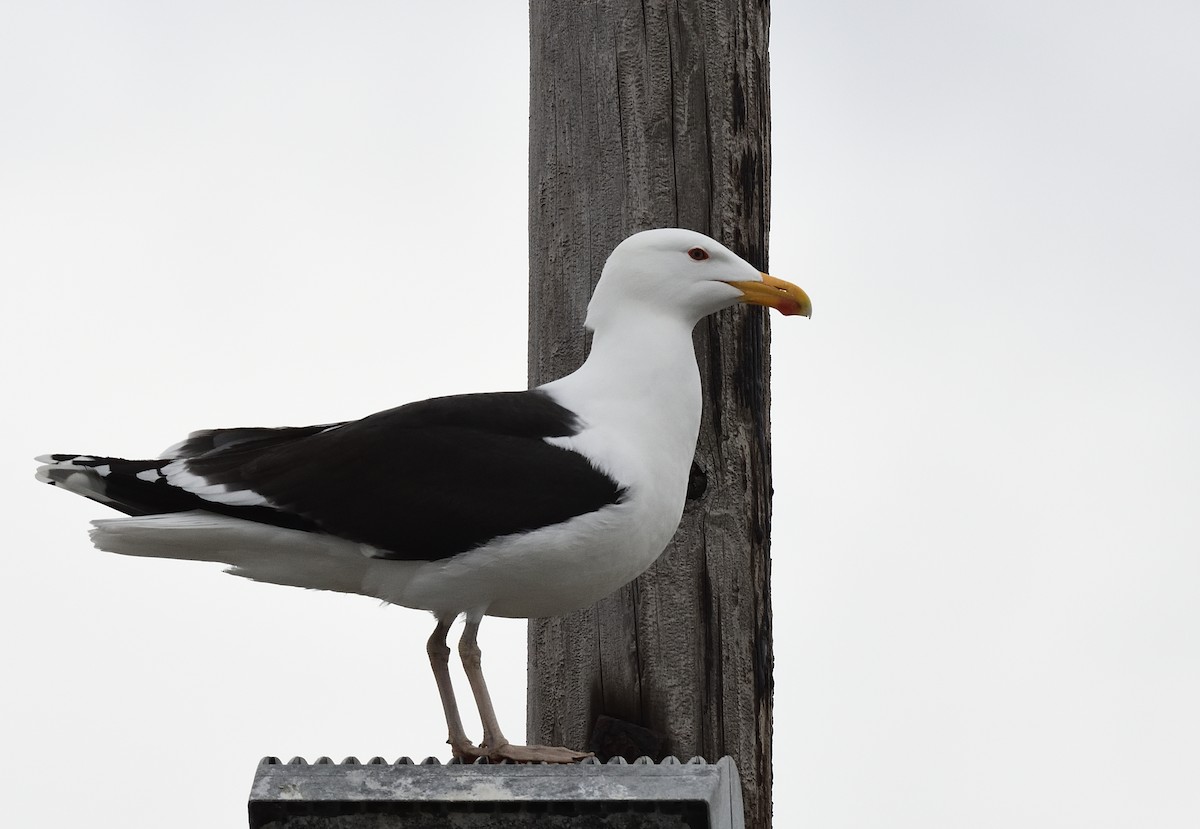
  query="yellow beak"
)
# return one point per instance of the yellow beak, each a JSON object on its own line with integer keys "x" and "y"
{"x": 784, "y": 297}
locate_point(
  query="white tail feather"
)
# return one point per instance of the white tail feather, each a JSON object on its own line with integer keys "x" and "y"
{"x": 260, "y": 552}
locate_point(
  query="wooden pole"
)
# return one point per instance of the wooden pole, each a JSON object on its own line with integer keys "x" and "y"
{"x": 653, "y": 113}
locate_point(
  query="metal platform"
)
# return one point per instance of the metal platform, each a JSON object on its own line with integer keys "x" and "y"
{"x": 380, "y": 795}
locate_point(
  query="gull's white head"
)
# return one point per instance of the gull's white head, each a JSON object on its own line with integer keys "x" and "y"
{"x": 684, "y": 275}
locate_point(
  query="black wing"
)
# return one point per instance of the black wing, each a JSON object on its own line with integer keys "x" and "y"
{"x": 261, "y": 438}
{"x": 423, "y": 481}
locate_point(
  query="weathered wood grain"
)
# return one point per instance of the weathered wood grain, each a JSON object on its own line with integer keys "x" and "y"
{"x": 655, "y": 114}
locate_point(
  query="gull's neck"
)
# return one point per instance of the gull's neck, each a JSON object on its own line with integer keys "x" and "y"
{"x": 640, "y": 375}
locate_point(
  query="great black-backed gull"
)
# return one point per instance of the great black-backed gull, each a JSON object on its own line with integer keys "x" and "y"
{"x": 521, "y": 504}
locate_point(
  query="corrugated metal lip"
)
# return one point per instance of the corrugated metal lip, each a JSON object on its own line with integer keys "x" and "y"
{"x": 353, "y": 794}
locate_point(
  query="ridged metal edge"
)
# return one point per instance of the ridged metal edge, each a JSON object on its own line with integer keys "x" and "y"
{"x": 323, "y": 760}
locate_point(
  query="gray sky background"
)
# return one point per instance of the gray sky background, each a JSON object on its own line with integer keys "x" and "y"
{"x": 987, "y": 535}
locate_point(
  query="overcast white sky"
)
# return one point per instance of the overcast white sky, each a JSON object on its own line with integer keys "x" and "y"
{"x": 987, "y": 535}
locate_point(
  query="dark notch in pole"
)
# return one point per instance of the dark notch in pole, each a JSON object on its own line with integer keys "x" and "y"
{"x": 656, "y": 114}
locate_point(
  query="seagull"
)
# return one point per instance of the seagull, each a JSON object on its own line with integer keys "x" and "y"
{"x": 515, "y": 504}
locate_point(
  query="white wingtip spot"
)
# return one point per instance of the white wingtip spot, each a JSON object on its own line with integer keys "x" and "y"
{"x": 85, "y": 484}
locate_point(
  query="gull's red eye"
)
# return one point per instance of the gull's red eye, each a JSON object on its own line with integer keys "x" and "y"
{"x": 699, "y": 254}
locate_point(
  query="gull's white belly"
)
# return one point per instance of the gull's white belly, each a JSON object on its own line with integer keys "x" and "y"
{"x": 547, "y": 572}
